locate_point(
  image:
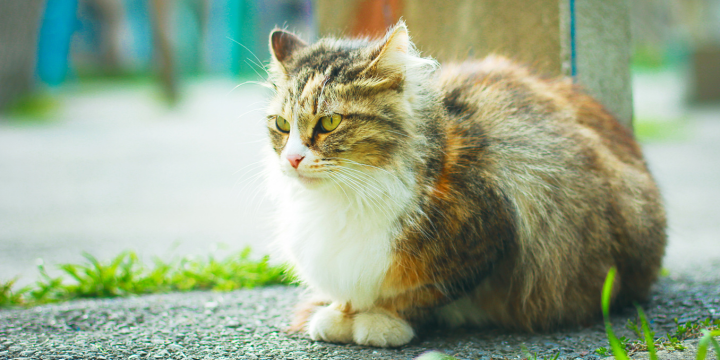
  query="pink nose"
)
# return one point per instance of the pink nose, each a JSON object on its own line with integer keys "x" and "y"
{"x": 295, "y": 160}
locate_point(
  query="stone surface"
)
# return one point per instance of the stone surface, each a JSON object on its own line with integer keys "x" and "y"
{"x": 251, "y": 324}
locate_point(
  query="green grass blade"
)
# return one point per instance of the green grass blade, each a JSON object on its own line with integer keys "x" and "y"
{"x": 649, "y": 336}
{"x": 8, "y": 297}
{"x": 702, "y": 347}
{"x": 707, "y": 339}
{"x": 615, "y": 344}
{"x": 716, "y": 345}
{"x": 71, "y": 270}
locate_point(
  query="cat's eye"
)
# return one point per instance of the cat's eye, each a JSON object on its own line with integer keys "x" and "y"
{"x": 330, "y": 122}
{"x": 282, "y": 124}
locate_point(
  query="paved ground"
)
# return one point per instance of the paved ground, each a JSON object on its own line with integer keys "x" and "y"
{"x": 249, "y": 325}
{"x": 688, "y": 172}
{"x": 115, "y": 170}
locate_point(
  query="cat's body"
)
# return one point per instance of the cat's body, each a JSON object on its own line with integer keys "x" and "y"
{"x": 477, "y": 194}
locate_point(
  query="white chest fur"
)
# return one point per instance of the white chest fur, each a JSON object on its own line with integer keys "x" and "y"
{"x": 339, "y": 240}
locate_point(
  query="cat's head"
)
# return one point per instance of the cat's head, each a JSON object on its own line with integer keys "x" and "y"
{"x": 343, "y": 109}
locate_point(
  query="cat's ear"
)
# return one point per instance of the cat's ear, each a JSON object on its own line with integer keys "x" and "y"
{"x": 283, "y": 45}
{"x": 390, "y": 59}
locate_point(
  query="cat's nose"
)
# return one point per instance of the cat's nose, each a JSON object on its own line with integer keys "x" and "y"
{"x": 295, "y": 160}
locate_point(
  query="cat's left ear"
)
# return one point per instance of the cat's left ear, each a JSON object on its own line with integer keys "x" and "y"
{"x": 283, "y": 45}
{"x": 389, "y": 60}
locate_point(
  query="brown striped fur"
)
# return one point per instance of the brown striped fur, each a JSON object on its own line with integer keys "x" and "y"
{"x": 525, "y": 190}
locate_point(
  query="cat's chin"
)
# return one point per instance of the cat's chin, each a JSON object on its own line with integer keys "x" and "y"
{"x": 309, "y": 182}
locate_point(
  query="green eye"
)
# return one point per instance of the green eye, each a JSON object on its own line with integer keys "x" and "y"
{"x": 330, "y": 123}
{"x": 282, "y": 124}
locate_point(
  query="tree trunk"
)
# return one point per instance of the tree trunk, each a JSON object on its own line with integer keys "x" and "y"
{"x": 19, "y": 26}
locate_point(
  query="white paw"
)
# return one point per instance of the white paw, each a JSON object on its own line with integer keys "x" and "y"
{"x": 331, "y": 325}
{"x": 381, "y": 328}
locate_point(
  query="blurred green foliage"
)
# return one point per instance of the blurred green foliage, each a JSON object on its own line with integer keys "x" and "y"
{"x": 34, "y": 106}
{"x": 652, "y": 130}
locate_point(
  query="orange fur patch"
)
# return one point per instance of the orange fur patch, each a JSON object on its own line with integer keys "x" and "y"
{"x": 442, "y": 189}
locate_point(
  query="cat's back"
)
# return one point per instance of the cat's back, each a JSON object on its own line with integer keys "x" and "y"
{"x": 573, "y": 175}
{"x": 505, "y": 101}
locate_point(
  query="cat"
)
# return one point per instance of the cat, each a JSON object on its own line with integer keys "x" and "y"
{"x": 472, "y": 194}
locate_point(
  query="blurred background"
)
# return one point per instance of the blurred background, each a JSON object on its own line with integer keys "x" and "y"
{"x": 138, "y": 124}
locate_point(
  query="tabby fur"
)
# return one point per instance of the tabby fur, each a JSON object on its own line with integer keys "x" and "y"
{"x": 476, "y": 193}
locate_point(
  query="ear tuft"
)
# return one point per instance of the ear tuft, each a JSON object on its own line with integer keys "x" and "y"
{"x": 390, "y": 58}
{"x": 398, "y": 39}
{"x": 283, "y": 44}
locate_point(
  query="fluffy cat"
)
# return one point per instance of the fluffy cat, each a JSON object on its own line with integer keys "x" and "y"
{"x": 474, "y": 194}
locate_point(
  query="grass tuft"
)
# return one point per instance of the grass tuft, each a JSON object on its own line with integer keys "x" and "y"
{"x": 126, "y": 275}
{"x": 647, "y": 342}
{"x": 8, "y": 297}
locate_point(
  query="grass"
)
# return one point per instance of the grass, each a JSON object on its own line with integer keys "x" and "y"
{"x": 127, "y": 275}
{"x": 708, "y": 329}
{"x": 671, "y": 341}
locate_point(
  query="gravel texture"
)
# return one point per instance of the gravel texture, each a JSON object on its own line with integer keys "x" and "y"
{"x": 249, "y": 324}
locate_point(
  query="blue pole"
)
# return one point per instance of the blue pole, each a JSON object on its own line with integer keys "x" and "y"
{"x": 58, "y": 25}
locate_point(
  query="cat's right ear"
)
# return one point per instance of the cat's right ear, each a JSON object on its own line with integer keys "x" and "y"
{"x": 283, "y": 45}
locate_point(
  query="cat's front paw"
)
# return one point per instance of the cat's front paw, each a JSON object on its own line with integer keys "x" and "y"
{"x": 330, "y": 324}
{"x": 382, "y": 329}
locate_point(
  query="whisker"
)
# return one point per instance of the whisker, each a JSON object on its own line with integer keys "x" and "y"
{"x": 252, "y": 163}
{"x": 253, "y": 207}
{"x": 250, "y": 64}
{"x": 250, "y": 51}
{"x": 252, "y": 200}
{"x": 262, "y": 139}
{"x": 339, "y": 186}
{"x": 265, "y": 85}
{"x": 377, "y": 194}
{"x": 357, "y": 186}
{"x": 249, "y": 111}
{"x": 372, "y": 179}
{"x": 370, "y": 166}
{"x": 251, "y": 179}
